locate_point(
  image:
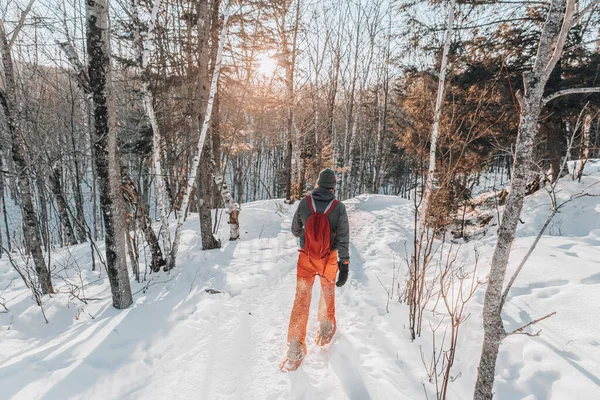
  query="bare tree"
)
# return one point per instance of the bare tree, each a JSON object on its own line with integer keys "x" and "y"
{"x": 289, "y": 50}
{"x": 560, "y": 19}
{"x": 200, "y": 146}
{"x": 10, "y": 105}
{"x": 426, "y": 205}
{"x": 423, "y": 246}
{"x": 143, "y": 57}
{"x": 105, "y": 151}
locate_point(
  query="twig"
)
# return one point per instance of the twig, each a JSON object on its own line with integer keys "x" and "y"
{"x": 152, "y": 283}
{"x": 519, "y": 331}
{"x": 3, "y": 305}
{"x": 387, "y": 309}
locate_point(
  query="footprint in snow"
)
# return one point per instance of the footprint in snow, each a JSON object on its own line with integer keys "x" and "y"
{"x": 591, "y": 280}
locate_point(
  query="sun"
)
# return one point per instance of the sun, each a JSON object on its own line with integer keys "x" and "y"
{"x": 266, "y": 64}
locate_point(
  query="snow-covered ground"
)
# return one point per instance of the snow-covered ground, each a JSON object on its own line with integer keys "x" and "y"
{"x": 180, "y": 342}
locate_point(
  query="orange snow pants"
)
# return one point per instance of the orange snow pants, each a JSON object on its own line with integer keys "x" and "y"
{"x": 306, "y": 272}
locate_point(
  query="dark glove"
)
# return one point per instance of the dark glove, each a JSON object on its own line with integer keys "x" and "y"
{"x": 343, "y": 273}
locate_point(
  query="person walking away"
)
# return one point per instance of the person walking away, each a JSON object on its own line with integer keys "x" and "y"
{"x": 321, "y": 224}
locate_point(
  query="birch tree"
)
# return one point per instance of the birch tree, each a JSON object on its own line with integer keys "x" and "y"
{"x": 105, "y": 151}
{"x": 435, "y": 130}
{"x": 10, "y": 105}
{"x": 560, "y": 19}
{"x": 143, "y": 48}
{"x": 200, "y": 145}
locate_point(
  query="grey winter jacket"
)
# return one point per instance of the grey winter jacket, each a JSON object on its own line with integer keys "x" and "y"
{"x": 338, "y": 220}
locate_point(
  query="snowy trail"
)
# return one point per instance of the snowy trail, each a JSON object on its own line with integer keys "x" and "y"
{"x": 180, "y": 342}
{"x": 238, "y": 356}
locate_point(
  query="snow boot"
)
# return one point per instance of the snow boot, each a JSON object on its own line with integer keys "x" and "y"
{"x": 295, "y": 355}
{"x": 325, "y": 333}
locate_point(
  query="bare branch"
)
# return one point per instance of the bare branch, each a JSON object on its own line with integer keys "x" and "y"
{"x": 519, "y": 97}
{"x": 590, "y": 7}
{"x": 20, "y": 25}
{"x": 79, "y": 69}
{"x": 562, "y": 37}
{"x": 567, "y": 92}
{"x": 520, "y": 331}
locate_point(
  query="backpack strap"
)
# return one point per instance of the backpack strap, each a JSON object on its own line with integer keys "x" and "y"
{"x": 311, "y": 204}
{"x": 330, "y": 207}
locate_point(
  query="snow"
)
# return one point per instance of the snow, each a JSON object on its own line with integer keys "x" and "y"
{"x": 178, "y": 341}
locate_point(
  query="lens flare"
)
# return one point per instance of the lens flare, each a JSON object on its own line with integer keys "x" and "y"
{"x": 266, "y": 64}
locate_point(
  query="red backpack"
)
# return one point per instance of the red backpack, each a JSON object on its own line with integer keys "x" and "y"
{"x": 317, "y": 231}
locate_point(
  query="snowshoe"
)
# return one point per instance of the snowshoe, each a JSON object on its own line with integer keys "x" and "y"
{"x": 325, "y": 333}
{"x": 294, "y": 357}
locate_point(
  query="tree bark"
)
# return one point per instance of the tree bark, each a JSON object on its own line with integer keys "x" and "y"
{"x": 3, "y": 199}
{"x": 204, "y": 184}
{"x": 204, "y": 193}
{"x": 8, "y": 98}
{"x": 105, "y": 151}
{"x": 62, "y": 207}
{"x": 584, "y": 153}
{"x": 139, "y": 212}
{"x": 80, "y": 221}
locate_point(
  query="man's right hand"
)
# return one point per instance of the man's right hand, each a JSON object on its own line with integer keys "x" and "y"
{"x": 343, "y": 273}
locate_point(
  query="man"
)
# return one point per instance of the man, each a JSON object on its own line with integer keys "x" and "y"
{"x": 321, "y": 223}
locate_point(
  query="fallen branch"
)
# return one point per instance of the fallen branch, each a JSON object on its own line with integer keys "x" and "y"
{"x": 520, "y": 331}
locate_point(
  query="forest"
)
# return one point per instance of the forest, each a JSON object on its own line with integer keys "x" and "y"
{"x": 129, "y": 125}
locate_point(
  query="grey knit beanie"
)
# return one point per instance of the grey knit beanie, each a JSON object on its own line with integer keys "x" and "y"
{"x": 326, "y": 179}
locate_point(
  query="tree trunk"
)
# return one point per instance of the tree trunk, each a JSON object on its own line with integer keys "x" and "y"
{"x": 139, "y": 212}
{"x": 233, "y": 208}
{"x": 80, "y": 221}
{"x": 10, "y": 106}
{"x": 550, "y": 47}
{"x": 436, "y": 121}
{"x": 145, "y": 222}
{"x": 196, "y": 161}
{"x": 204, "y": 184}
{"x": 68, "y": 237}
{"x": 3, "y": 199}
{"x": 105, "y": 152}
{"x": 204, "y": 193}
{"x": 585, "y": 145}
{"x": 43, "y": 214}
{"x": 290, "y": 66}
